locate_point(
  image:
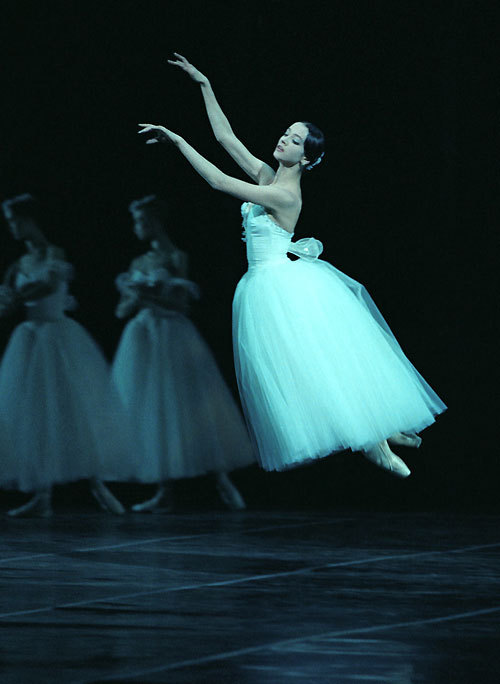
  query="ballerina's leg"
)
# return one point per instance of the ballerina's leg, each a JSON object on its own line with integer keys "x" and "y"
{"x": 228, "y": 492}
{"x": 40, "y": 505}
{"x": 163, "y": 499}
{"x": 104, "y": 497}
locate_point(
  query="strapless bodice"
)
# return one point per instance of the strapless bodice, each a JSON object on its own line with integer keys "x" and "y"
{"x": 53, "y": 305}
{"x": 267, "y": 243}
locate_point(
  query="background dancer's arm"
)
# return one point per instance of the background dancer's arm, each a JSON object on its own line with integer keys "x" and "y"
{"x": 37, "y": 289}
{"x": 11, "y": 297}
{"x": 128, "y": 304}
{"x": 8, "y": 303}
{"x": 176, "y": 298}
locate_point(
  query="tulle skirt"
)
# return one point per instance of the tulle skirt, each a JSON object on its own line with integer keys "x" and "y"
{"x": 65, "y": 418}
{"x": 6, "y": 443}
{"x": 186, "y": 417}
{"x": 317, "y": 366}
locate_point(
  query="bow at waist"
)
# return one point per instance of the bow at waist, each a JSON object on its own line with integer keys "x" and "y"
{"x": 307, "y": 248}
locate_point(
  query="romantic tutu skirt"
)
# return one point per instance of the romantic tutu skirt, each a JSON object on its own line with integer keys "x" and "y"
{"x": 178, "y": 403}
{"x": 317, "y": 366}
{"x": 65, "y": 419}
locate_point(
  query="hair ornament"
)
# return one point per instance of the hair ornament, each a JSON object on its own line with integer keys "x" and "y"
{"x": 315, "y": 163}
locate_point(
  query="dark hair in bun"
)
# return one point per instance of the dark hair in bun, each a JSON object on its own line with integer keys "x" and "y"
{"x": 314, "y": 145}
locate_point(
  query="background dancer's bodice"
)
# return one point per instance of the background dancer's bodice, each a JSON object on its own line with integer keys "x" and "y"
{"x": 151, "y": 270}
{"x": 53, "y": 305}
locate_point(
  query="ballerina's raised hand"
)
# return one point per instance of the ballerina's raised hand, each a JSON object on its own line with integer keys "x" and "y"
{"x": 188, "y": 68}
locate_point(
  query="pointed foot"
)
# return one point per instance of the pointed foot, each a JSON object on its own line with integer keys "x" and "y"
{"x": 39, "y": 506}
{"x": 229, "y": 494}
{"x": 383, "y": 457}
{"x": 162, "y": 501}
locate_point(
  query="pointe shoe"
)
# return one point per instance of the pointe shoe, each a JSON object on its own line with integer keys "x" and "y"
{"x": 409, "y": 439}
{"x": 382, "y": 456}
{"x": 228, "y": 493}
{"x": 163, "y": 492}
{"x": 39, "y": 506}
{"x": 106, "y": 500}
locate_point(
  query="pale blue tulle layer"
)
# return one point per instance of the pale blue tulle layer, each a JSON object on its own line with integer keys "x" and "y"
{"x": 186, "y": 418}
{"x": 65, "y": 419}
{"x": 318, "y": 368}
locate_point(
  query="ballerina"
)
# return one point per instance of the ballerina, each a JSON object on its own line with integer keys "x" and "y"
{"x": 55, "y": 387}
{"x": 318, "y": 368}
{"x": 178, "y": 402}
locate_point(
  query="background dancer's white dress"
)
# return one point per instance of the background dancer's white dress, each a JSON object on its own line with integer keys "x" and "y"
{"x": 177, "y": 399}
{"x": 318, "y": 368}
{"x": 65, "y": 419}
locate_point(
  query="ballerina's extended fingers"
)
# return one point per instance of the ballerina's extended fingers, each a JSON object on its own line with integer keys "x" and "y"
{"x": 181, "y": 62}
{"x": 159, "y": 133}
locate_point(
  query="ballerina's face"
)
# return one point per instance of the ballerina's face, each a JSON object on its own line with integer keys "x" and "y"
{"x": 290, "y": 148}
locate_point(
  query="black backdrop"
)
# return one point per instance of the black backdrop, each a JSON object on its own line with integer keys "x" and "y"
{"x": 404, "y": 201}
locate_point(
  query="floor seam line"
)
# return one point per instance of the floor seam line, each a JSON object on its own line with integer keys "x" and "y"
{"x": 242, "y": 580}
{"x": 277, "y": 644}
{"x": 160, "y": 539}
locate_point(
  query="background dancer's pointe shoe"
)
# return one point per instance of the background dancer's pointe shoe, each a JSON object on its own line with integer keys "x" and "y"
{"x": 382, "y": 456}
{"x": 228, "y": 493}
{"x": 162, "y": 500}
{"x": 409, "y": 439}
{"x": 39, "y": 506}
{"x": 106, "y": 500}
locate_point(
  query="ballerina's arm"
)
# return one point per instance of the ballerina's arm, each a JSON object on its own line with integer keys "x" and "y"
{"x": 29, "y": 292}
{"x": 128, "y": 302}
{"x": 127, "y": 305}
{"x": 176, "y": 299}
{"x": 9, "y": 278}
{"x": 268, "y": 196}
{"x": 259, "y": 171}
{"x": 8, "y": 297}
{"x": 38, "y": 289}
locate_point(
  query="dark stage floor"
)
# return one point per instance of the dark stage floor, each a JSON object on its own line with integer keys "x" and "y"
{"x": 257, "y": 597}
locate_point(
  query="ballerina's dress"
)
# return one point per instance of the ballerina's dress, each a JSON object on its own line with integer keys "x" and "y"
{"x": 178, "y": 402}
{"x": 66, "y": 421}
{"x": 318, "y": 368}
